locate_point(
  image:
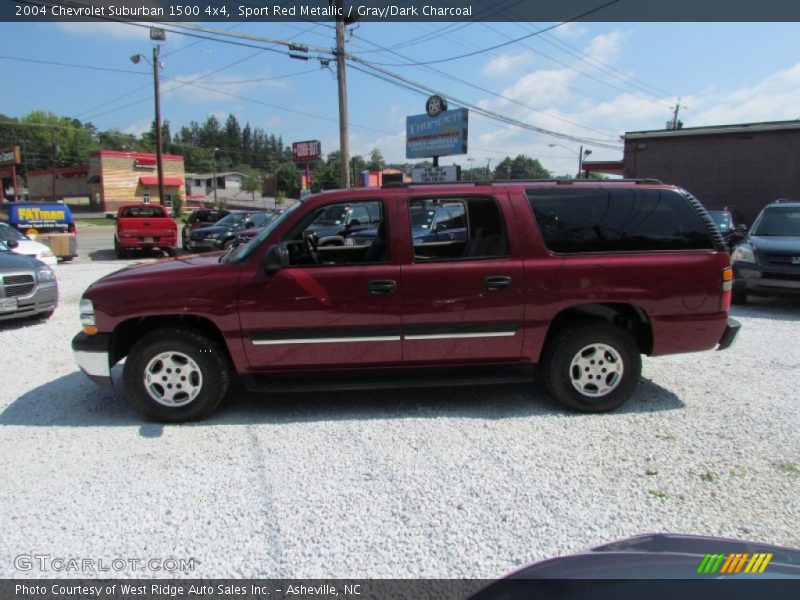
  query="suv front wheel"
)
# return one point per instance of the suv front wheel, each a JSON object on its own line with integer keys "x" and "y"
{"x": 592, "y": 367}
{"x": 176, "y": 375}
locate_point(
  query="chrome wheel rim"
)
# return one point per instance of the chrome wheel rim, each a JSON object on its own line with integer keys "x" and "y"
{"x": 596, "y": 370}
{"x": 172, "y": 379}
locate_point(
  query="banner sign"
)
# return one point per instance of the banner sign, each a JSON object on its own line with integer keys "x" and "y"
{"x": 437, "y": 136}
{"x": 434, "y": 174}
{"x": 306, "y": 151}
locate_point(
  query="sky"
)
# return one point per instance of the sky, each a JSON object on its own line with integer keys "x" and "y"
{"x": 590, "y": 80}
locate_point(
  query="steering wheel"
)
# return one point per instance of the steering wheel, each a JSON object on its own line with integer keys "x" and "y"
{"x": 312, "y": 244}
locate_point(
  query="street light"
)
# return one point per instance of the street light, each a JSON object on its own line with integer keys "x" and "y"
{"x": 156, "y": 34}
{"x": 214, "y": 169}
{"x": 581, "y": 155}
{"x": 471, "y": 168}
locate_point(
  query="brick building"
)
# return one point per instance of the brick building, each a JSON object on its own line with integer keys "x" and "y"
{"x": 745, "y": 166}
{"x": 110, "y": 179}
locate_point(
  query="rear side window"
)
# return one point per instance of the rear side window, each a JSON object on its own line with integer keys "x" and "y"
{"x": 617, "y": 220}
{"x": 145, "y": 211}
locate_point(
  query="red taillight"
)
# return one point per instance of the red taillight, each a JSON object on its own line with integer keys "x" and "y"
{"x": 71, "y": 228}
{"x": 727, "y": 286}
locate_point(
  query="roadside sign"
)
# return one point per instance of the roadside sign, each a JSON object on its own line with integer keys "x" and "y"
{"x": 434, "y": 174}
{"x": 443, "y": 135}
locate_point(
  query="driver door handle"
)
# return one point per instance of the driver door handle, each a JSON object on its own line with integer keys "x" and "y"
{"x": 498, "y": 282}
{"x": 381, "y": 287}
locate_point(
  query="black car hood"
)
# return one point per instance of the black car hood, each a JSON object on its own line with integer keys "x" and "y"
{"x": 205, "y": 231}
{"x": 11, "y": 260}
{"x": 776, "y": 244}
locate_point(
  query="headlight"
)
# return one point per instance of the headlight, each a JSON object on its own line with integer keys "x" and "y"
{"x": 86, "y": 309}
{"x": 45, "y": 273}
{"x": 349, "y": 242}
{"x": 743, "y": 253}
{"x": 47, "y": 254}
{"x": 213, "y": 236}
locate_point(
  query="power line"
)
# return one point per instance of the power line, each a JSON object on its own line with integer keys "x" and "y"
{"x": 73, "y": 65}
{"x": 508, "y": 43}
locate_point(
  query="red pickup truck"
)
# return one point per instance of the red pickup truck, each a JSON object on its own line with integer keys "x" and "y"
{"x": 144, "y": 227}
{"x": 576, "y": 278}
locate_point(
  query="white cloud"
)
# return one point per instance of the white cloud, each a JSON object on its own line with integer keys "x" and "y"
{"x": 507, "y": 62}
{"x": 208, "y": 87}
{"x": 570, "y": 30}
{"x": 606, "y": 47}
{"x": 109, "y": 29}
{"x": 533, "y": 88}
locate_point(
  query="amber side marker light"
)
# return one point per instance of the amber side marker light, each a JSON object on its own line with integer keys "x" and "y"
{"x": 727, "y": 279}
{"x": 89, "y": 329}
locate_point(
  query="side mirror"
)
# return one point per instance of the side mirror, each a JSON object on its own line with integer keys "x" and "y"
{"x": 441, "y": 227}
{"x": 741, "y": 228}
{"x": 12, "y": 244}
{"x": 354, "y": 223}
{"x": 275, "y": 258}
{"x": 249, "y": 225}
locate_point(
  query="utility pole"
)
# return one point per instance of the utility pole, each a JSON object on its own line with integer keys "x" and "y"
{"x": 159, "y": 161}
{"x": 675, "y": 114}
{"x": 344, "y": 143}
{"x": 580, "y": 162}
{"x": 488, "y": 172}
{"x": 55, "y": 155}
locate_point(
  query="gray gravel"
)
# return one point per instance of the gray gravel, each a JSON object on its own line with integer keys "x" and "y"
{"x": 454, "y": 483}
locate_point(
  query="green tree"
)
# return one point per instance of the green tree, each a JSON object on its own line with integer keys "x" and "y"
{"x": 376, "y": 162}
{"x": 521, "y": 167}
{"x": 287, "y": 179}
{"x": 252, "y": 184}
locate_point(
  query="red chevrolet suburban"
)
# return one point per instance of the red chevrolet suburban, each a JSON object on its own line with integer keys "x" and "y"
{"x": 144, "y": 227}
{"x": 574, "y": 280}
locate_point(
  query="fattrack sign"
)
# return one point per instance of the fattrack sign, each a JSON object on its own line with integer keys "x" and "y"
{"x": 442, "y": 135}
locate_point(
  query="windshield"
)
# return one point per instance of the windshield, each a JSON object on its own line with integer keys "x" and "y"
{"x": 241, "y": 252}
{"x": 422, "y": 219}
{"x": 232, "y": 220}
{"x": 722, "y": 219}
{"x": 333, "y": 215}
{"x": 9, "y": 233}
{"x": 779, "y": 221}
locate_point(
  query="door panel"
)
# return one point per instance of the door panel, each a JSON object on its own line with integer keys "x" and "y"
{"x": 322, "y": 316}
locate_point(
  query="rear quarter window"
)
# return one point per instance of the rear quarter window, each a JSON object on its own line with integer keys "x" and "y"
{"x": 617, "y": 220}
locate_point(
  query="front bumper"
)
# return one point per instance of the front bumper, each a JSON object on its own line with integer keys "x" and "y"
{"x": 43, "y": 299}
{"x": 92, "y": 353}
{"x": 730, "y": 334}
{"x": 763, "y": 280}
{"x": 205, "y": 244}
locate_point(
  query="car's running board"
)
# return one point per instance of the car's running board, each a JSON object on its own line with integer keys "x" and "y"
{"x": 324, "y": 381}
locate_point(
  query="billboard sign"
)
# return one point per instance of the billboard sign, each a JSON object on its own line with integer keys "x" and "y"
{"x": 434, "y": 174}
{"x": 306, "y": 151}
{"x": 443, "y": 135}
{"x": 10, "y": 156}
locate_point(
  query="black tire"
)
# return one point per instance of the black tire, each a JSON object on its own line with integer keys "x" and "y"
{"x": 559, "y": 373}
{"x": 227, "y": 245}
{"x": 738, "y": 296}
{"x": 121, "y": 252}
{"x": 170, "y": 251}
{"x": 67, "y": 258}
{"x": 212, "y": 373}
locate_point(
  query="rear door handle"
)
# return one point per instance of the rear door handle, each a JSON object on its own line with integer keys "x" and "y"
{"x": 498, "y": 282}
{"x": 381, "y": 287}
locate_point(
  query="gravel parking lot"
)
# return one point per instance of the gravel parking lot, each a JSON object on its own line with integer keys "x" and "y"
{"x": 454, "y": 483}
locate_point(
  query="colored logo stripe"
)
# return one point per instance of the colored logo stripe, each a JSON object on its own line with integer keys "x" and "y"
{"x": 731, "y": 564}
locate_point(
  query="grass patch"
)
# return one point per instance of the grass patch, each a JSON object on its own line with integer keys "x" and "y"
{"x": 787, "y": 467}
{"x": 651, "y": 472}
{"x": 708, "y": 477}
{"x": 661, "y": 495}
{"x": 740, "y": 472}
{"x": 98, "y": 221}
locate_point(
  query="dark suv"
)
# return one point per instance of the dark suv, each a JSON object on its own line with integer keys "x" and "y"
{"x": 222, "y": 234}
{"x": 203, "y": 217}
{"x": 767, "y": 262}
{"x": 430, "y": 222}
{"x": 579, "y": 278}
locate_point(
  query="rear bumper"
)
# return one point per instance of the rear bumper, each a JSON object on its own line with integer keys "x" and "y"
{"x": 730, "y": 334}
{"x": 92, "y": 353}
{"x": 158, "y": 242}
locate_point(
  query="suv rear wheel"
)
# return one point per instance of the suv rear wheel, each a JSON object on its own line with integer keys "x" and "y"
{"x": 592, "y": 367}
{"x": 176, "y": 375}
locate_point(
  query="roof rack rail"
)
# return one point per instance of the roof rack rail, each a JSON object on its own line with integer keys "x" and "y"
{"x": 406, "y": 184}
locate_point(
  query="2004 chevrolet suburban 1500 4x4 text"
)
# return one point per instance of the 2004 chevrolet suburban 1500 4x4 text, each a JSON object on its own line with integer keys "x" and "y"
{"x": 579, "y": 278}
